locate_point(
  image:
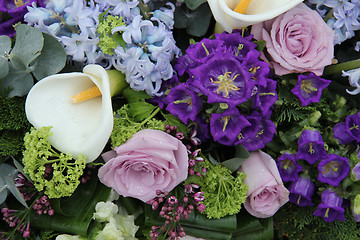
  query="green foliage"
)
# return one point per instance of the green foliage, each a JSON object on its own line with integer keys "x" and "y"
{"x": 109, "y": 41}
{"x": 39, "y": 155}
{"x": 33, "y": 53}
{"x": 223, "y": 192}
{"x": 125, "y": 125}
{"x": 13, "y": 125}
{"x": 293, "y": 222}
{"x": 195, "y": 20}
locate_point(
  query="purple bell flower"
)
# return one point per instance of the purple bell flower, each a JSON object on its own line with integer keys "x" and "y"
{"x": 223, "y": 80}
{"x": 183, "y": 103}
{"x": 355, "y": 172}
{"x": 184, "y": 63}
{"x": 265, "y": 97}
{"x": 333, "y": 169}
{"x": 311, "y": 146}
{"x": 308, "y": 88}
{"x": 204, "y": 50}
{"x": 330, "y": 208}
{"x": 341, "y": 134}
{"x": 288, "y": 167}
{"x": 352, "y": 123}
{"x": 226, "y": 127}
{"x": 301, "y": 191}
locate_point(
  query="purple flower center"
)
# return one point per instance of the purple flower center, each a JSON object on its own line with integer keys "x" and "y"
{"x": 18, "y": 3}
{"x": 287, "y": 164}
{"x": 307, "y": 87}
{"x": 226, "y": 83}
{"x": 330, "y": 168}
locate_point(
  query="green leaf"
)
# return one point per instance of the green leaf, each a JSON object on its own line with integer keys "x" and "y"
{"x": 260, "y": 45}
{"x": 28, "y": 44}
{"x": 196, "y": 22}
{"x": 233, "y": 164}
{"x": 5, "y": 46}
{"x": 252, "y": 228}
{"x": 51, "y": 60}
{"x": 15, "y": 191}
{"x": 241, "y": 152}
{"x": 174, "y": 121}
{"x": 3, "y": 191}
{"x": 71, "y": 206}
{"x": 134, "y": 96}
{"x": 193, "y": 4}
{"x": 20, "y": 82}
{"x": 77, "y": 224}
{"x": 140, "y": 110}
{"x": 213, "y": 160}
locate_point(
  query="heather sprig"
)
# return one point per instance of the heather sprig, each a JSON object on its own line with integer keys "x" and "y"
{"x": 56, "y": 173}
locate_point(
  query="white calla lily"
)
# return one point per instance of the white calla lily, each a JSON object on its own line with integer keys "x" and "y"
{"x": 257, "y": 11}
{"x": 81, "y": 128}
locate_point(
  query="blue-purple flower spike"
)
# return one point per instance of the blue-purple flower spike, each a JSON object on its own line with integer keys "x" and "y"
{"x": 333, "y": 169}
{"x": 330, "y": 208}
{"x": 311, "y": 146}
{"x": 301, "y": 191}
{"x": 288, "y": 167}
{"x": 308, "y": 88}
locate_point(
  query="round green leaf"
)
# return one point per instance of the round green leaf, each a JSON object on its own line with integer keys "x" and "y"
{"x": 5, "y": 46}
{"x": 28, "y": 44}
{"x": 3, "y": 191}
{"x": 51, "y": 60}
{"x": 20, "y": 83}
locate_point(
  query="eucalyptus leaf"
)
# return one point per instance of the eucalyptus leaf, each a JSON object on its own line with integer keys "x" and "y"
{"x": 213, "y": 160}
{"x": 51, "y": 60}
{"x": 196, "y": 22}
{"x": 20, "y": 168}
{"x": 140, "y": 110}
{"x": 233, "y": 164}
{"x": 3, "y": 191}
{"x": 14, "y": 190}
{"x": 28, "y": 45}
{"x": 7, "y": 170}
{"x": 5, "y": 46}
{"x": 193, "y": 4}
{"x": 20, "y": 82}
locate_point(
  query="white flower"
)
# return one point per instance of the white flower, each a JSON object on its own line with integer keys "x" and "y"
{"x": 258, "y": 11}
{"x": 354, "y": 78}
{"x": 82, "y": 128}
{"x": 69, "y": 237}
{"x": 105, "y": 211}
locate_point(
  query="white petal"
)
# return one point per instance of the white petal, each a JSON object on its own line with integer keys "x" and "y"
{"x": 82, "y": 128}
{"x": 258, "y": 11}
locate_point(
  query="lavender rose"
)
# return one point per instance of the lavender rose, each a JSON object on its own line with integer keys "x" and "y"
{"x": 266, "y": 193}
{"x": 297, "y": 41}
{"x": 151, "y": 160}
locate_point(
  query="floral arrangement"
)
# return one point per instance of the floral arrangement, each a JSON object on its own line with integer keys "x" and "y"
{"x": 144, "y": 119}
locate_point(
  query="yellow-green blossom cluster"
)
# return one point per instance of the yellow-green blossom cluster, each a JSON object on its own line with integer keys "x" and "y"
{"x": 108, "y": 41}
{"x": 223, "y": 192}
{"x": 40, "y": 157}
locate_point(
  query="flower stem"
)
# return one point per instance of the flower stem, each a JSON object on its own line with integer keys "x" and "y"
{"x": 338, "y": 68}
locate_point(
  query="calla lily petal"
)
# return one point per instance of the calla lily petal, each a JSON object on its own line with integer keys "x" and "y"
{"x": 258, "y": 11}
{"x": 82, "y": 128}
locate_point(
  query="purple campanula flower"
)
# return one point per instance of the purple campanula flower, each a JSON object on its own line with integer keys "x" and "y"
{"x": 226, "y": 127}
{"x": 330, "y": 208}
{"x": 237, "y": 44}
{"x": 352, "y": 123}
{"x": 308, "y": 88}
{"x": 265, "y": 96}
{"x": 341, "y": 134}
{"x": 259, "y": 69}
{"x": 311, "y": 146}
{"x": 355, "y": 208}
{"x": 288, "y": 167}
{"x": 223, "y": 80}
{"x": 264, "y": 133}
{"x": 333, "y": 169}
{"x": 184, "y": 63}
{"x": 204, "y": 50}
{"x": 183, "y": 103}
{"x": 301, "y": 191}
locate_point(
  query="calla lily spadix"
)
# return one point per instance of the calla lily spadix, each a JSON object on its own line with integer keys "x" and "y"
{"x": 257, "y": 11}
{"x": 81, "y": 128}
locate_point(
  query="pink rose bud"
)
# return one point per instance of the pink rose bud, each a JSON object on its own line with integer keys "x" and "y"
{"x": 266, "y": 193}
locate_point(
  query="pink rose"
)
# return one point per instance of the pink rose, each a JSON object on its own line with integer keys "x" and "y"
{"x": 151, "y": 160}
{"x": 266, "y": 193}
{"x": 297, "y": 41}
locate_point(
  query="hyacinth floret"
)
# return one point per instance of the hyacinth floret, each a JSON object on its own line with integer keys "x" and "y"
{"x": 152, "y": 47}
{"x": 56, "y": 173}
{"x": 72, "y": 23}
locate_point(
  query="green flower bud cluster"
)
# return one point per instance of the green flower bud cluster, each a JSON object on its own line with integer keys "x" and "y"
{"x": 108, "y": 41}
{"x": 56, "y": 173}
